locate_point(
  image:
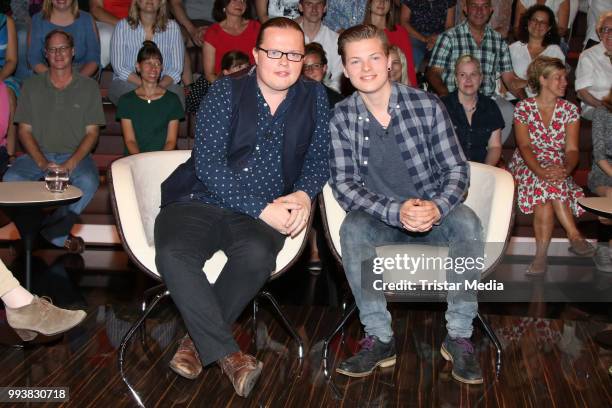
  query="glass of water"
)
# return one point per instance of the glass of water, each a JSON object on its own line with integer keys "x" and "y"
{"x": 56, "y": 179}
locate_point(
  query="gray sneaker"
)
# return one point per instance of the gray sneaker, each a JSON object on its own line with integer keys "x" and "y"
{"x": 461, "y": 353}
{"x": 602, "y": 259}
{"x": 373, "y": 353}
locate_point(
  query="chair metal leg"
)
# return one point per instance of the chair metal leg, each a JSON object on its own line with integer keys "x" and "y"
{"x": 146, "y": 297}
{"x": 491, "y": 334}
{"x": 128, "y": 337}
{"x": 326, "y": 342}
{"x": 267, "y": 295}
{"x": 254, "y": 323}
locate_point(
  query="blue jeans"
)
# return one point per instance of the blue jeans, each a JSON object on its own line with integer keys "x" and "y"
{"x": 57, "y": 225}
{"x": 361, "y": 233}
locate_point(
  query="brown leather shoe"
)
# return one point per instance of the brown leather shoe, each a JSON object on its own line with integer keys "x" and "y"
{"x": 243, "y": 371}
{"x": 186, "y": 361}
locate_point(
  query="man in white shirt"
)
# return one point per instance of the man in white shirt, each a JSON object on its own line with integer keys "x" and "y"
{"x": 594, "y": 71}
{"x": 596, "y": 9}
{"x": 315, "y": 31}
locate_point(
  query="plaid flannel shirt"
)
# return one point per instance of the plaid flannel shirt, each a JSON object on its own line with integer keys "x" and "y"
{"x": 426, "y": 139}
{"x": 493, "y": 53}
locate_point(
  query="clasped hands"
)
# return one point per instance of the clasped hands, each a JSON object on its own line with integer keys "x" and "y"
{"x": 288, "y": 214}
{"x": 418, "y": 215}
{"x": 553, "y": 174}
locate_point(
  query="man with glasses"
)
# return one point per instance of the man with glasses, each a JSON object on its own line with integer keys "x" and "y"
{"x": 260, "y": 157}
{"x": 59, "y": 113}
{"x": 315, "y": 31}
{"x": 475, "y": 37}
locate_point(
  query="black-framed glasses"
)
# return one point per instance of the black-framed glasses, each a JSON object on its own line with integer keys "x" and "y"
{"x": 276, "y": 54}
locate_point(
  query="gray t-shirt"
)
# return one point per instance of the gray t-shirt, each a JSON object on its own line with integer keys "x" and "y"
{"x": 59, "y": 117}
{"x": 199, "y": 9}
{"x": 387, "y": 173}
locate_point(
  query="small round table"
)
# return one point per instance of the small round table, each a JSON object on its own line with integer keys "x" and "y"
{"x": 23, "y": 201}
{"x": 601, "y": 206}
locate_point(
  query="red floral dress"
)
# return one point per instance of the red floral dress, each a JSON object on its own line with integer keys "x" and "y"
{"x": 549, "y": 148}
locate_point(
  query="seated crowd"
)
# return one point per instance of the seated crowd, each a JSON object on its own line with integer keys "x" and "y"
{"x": 276, "y": 119}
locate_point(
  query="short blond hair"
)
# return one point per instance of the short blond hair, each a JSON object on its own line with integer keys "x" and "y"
{"x": 464, "y": 59}
{"x": 542, "y": 66}
{"x": 361, "y": 32}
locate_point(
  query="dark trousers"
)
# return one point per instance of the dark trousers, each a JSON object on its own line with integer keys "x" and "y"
{"x": 186, "y": 236}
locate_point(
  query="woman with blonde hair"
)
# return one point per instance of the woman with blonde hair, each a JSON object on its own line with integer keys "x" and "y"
{"x": 399, "y": 66}
{"x": 148, "y": 20}
{"x": 66, "y": 16}
{"x": 546, "y": 130}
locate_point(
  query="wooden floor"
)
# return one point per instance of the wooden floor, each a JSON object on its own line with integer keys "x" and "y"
{"x": 547, "y": 362}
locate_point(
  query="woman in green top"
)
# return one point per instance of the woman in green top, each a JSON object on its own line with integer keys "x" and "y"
{"x": 149, "y": 114}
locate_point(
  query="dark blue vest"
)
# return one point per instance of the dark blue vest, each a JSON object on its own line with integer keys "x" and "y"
{"x": 300, "y": 120}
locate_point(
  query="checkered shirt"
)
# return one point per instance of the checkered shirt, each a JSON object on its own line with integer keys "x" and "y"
{"x": 427, "y": 143}
{"x": 493, "y": 54}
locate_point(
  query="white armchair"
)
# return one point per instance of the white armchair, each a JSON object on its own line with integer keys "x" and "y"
{"x": 135, "y": 194}
{"x": 490, "y": 195}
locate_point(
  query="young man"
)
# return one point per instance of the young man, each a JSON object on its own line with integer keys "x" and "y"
{"x": 315, "y": 31}
{"x": 58, "y": 114}
{"x": 398, "y": 169}
{"x": 476, "y": 37}
{"x": 260, "y": 157}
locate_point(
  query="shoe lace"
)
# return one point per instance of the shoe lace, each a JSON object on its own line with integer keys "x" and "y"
{"x": 367, "y": 343}
{"x": 465, "y": 345}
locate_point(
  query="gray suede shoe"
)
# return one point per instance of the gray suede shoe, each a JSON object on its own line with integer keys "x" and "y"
{"x": 42, "y": 317}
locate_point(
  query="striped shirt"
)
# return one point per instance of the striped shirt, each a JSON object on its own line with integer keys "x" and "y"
{"x": 493, "y": 54}
{"x": 427, "y": 143}
{"x": 126, "y": 42}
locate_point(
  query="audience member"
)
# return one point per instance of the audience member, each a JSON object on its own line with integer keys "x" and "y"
{"x": 21, "y": 13}
{"x": 236, "y": 31}
{"x": 500, "y": 18}
{"x": 7, "y": 143}
{"x": 315, "y": 68}
{"x": 234, "y": 61}
{"x": 425, "y": 20}
{"x": 546, "y": 129}
{"x": 65, "y": 16}
{"x": 477, "y": 119}
{"x": 267, "y": 9}
{"x": 107, "y": 14}
{"x": 314, "y": 31}
{"x": 381, "y": 133}
{"x": 399, "y": 66}
{"x": 30, "y": 315}
{"x": 149, "y": 114}
{"x": 385, "y": 15}
{"x": 251, "y": 189}
{"x": 475, "y": 37}
{"x": 596, "y": 9}
{"x": 58, "y": 133}
{"x": 537, "y": 35}
{"x": 194, "y": 16}
{"x": 231, "y": 63}
{"x": 146, "y": 21}
{"x": 342, "y": 14}
{"x": 594, "y": 72}
{"x": 560, "y": 9}
{"x": 600, "y": 176}
{"x": 8, "y": 64}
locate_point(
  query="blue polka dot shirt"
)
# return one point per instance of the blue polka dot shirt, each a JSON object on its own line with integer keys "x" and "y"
{"x": 251, "y": 188}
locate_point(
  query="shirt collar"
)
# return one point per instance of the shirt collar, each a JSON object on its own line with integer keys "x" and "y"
{"x": 49, "y": 84}
{"x": 394, "y": 102}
